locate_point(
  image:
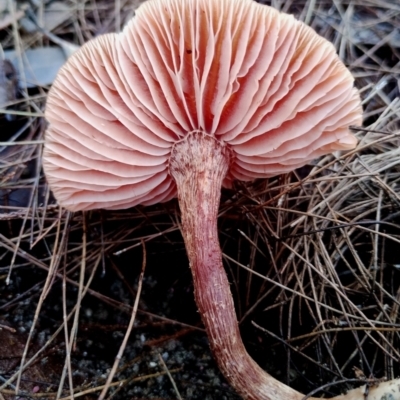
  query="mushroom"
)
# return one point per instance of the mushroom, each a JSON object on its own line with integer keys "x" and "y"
{"x": 192, "y": 95}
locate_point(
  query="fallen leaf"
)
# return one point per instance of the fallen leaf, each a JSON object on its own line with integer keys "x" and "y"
{"x": 8, "y": 83}
{"x": 40, "y": 65}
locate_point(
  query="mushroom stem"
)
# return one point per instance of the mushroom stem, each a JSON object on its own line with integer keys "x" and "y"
{"x": 199, "y": 164}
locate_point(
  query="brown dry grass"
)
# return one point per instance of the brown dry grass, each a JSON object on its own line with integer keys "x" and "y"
{"x": 313, "y": 256}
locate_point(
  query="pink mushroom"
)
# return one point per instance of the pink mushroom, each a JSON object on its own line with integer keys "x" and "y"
{"x": 192, "y": 95}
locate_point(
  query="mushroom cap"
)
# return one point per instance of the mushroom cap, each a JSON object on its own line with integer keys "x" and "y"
{"x": 256, "y": 79}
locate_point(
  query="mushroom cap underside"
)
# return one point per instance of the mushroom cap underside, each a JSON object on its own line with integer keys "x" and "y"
{"x": 257, "y": 80}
